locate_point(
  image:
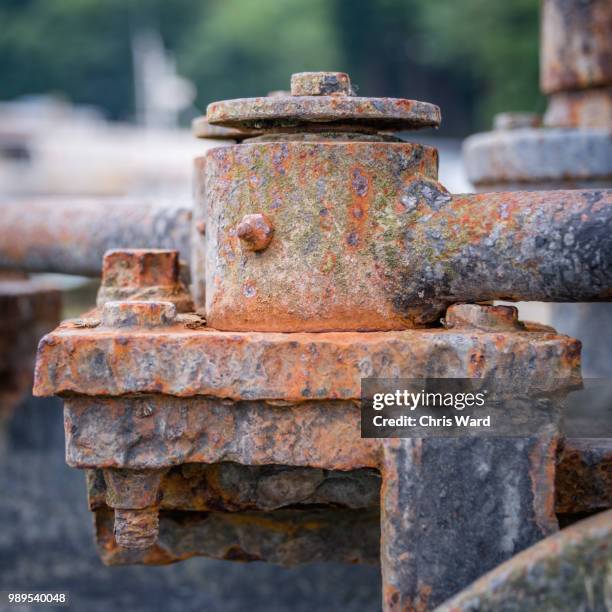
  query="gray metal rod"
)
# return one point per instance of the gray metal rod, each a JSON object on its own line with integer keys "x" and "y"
{"x": 71, "y": 235}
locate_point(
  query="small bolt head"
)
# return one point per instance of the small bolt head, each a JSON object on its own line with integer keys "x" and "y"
{"x": 321, "y": 84}
{"x": 484, "y": 317}
{"x": 255, "y": 231}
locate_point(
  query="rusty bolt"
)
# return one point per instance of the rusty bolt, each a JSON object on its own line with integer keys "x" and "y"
{"x": 255, "y": 231}
{"x": 483, "y": 317}
{"x": 142, "y": 275}
{"x": 140, "y": 267}
{"x": 134, "y": 495}
{"x": 321, "y": 84}
{"x": 136, "y": 528}
{"x": 137, "y": 314}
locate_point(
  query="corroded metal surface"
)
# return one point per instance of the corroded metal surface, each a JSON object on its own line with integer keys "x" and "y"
{"x": 584, "y": 476}
{"x": 130, "y": 314}
{"x": 300, "y": 111}
{"x": 483, "y": 317}
{"x": 436, "y": 534}
{"x": 576, "y": 149}
{"x": 321, "y": 84}
{"x": 367, "y": 240}
{"x": 72, "y": 235}
{"x": 163, "y": 431}
{"x": 576, "y": 44}
{"x": 285, "y": 537}
{"x": 190, "y": 493}
{"x": 202, "y": 129}
{"x": 566, "y": 572}
{"x": 232, "y": 487}
{"x": 331, "y": 205}
{"x": 143, "y": 274}
{"x": 582, "y": 484}
{"x": 324, "y": 240}
{"x": 294, "y": 367}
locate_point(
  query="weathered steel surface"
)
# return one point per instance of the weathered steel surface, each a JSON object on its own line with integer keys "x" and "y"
{"x": 321, "y": 84}
{"x": 332, "y": 206}
{"x": 285, "y": 537}
{"x": 341, "y": 110}
{"x": 193, "y": 491}
{"x": 576, "y": 44}
{"x": 325, "y": 225}
{"x": 139, "y": 274}
{"x": 363, "y": 243}
{"x": 294, "y": 367}
{"x": 584, "y": 476}
{"x": 72, "y": 235}
{"x": 547, "y": 246}
{"x": 156, "y": 431}
{"x": 136, "y": 314}
{"x": 135, "y": 499}
{"x": 583, "y": 483}
{"x": 539, "y": 158}
{"x": 484, "y": 317}
{"x": 438, "y": 535}
{"x": 202, "y": 129}
{"x": 566, "y": 572}
{"x": 231, "y": 487}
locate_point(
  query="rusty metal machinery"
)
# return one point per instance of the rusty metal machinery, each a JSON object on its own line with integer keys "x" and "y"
{"x": 570, "y": 148}
{"x": 330, "y": 254}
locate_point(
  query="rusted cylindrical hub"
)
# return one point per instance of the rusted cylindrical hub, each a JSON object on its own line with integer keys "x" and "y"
{"x": 329, "y": 187}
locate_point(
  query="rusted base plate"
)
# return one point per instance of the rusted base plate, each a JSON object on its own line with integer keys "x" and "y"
{"x": 294, "y": 367}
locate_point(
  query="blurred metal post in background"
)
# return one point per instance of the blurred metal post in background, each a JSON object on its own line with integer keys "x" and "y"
{"x": 570, "y": 147}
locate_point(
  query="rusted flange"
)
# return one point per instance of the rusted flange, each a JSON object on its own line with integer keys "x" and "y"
{"x": 322, "y": 98}
{"x": 200, "y": 128}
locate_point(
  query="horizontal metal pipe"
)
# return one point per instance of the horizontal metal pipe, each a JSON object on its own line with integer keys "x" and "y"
{"x": 72, "y": 235}
{"x": 553, "y": 246}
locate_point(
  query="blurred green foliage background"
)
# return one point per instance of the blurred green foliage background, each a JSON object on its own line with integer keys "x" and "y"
{"x": 472, "y": 57}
